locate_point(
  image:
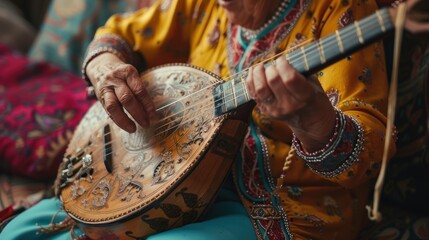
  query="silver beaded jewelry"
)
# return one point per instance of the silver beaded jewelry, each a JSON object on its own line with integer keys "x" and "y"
{"x": 249, "y": 34}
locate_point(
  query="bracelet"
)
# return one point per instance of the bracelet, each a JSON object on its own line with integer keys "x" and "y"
{"x": 343, "y": 160}
{"x": 321, "y": 154}
{"x": 342, "y": 150}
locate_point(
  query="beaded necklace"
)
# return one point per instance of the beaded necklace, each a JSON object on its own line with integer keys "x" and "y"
{"x": 249, "y": 34}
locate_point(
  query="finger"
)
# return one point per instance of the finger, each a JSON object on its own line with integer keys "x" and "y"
{"x": 136, "y": 85}
{"x": 115, "y": 110}
{"x": 129, "y": 102}
{"x": 262, "y": 90}
{"x": 295, "y": 83}
{"x": 249, "y": 83}
{"x": 275, "y": 83}
{"x": 128, "y": 96}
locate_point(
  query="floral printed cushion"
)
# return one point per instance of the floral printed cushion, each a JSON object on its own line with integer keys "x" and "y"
{"x": 40, "y": 106}
{"x": 69, "y": 27}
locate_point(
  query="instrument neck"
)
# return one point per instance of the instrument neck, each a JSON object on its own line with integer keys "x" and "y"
{"x": 311, "y": 58}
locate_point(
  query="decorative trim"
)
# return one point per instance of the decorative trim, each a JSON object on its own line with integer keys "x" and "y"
{"x": 258, "y": 189}
{"x": 340, "y": 153}
{"x": 282, "y": 30}
{"x": 110, "y": 43}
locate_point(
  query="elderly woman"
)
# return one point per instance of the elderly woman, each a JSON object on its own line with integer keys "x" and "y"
{"x": 314, "y": 143}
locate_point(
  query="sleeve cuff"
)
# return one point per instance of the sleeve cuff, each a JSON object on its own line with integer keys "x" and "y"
{"x": 110, "y": 43}
{"x": 340, "y": 153}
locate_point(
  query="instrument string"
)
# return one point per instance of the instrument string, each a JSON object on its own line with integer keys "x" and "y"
{"x": 312, "y": 51}
{"x": 201, "y": 106}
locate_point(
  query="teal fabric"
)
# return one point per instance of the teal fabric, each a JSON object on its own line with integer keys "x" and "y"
{"x": 69, "y": 27}
{"x": 226, "y": 219}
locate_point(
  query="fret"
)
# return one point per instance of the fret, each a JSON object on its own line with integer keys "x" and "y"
{"x": 228, "y": 97}
{"x": 246, "y": 91}
{"x": 288, "y": 58}
{"x": 241, "y": 90}
{"x": 359, "y": 33}
{"x": 297, "y": 61}
{"x": 339, "y": 41}
{"x": 231, "y": 94}
{"x": 381, "y": 21}
{"x": 234, "y": 96}
{"x": 305, "y": 59}
{"x": 218, "y": 100}
{"x": 311, "y": 58}
{"x": 344, "y": 41}
{"x": 331, "y": 49}
{"x": 321, "y": 51}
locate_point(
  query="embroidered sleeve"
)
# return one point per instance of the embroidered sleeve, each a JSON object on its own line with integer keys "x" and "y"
{"x": 357, "y": 84}
{"x": 113, "y": 44}
{"x": 340, "y": 153}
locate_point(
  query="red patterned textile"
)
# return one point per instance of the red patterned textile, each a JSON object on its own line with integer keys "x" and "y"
{"x": 40, "y": 106}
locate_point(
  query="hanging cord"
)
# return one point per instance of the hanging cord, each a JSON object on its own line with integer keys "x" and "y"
{"x": 374, "y": 213}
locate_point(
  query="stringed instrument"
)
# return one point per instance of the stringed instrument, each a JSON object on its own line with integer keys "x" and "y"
{"x": 113, "y": 183}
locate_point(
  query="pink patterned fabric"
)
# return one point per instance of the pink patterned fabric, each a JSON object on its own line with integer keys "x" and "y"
{"x": 40, "y": 106}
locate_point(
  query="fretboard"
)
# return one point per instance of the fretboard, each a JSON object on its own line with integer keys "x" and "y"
{"x": 311, "y": 58}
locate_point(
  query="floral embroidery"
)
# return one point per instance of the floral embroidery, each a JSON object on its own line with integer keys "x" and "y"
{"x": 346, "y": 18}
{"x": 264, "y": 45}
{"x": 298, "y": 42}
{"x": 365, "y": 76}
{"x": 256, "y": 186}
{"x": 294, "y": 192}
{"x": 334, "y": 96}
{"x": 331, "y": 206}
{"x": 340, "y": 154}
{"x": 314, "y": 220}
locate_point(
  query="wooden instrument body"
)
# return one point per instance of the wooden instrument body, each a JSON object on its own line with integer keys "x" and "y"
{"x": 162, "y": 177}
{"x": 166, "y": 176}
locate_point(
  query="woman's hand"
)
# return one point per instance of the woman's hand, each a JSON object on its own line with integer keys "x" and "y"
{"x": 119, "y": 89}
{"x": 282, "y": 93}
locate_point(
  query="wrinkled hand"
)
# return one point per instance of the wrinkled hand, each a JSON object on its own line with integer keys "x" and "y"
{"x": 282, "y": 93}
{"x": 119, "y": 89}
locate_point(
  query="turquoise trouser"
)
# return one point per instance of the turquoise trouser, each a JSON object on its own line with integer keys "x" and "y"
{"x": 226, "y": 219}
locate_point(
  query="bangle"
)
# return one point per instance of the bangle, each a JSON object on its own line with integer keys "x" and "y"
{"x": 321, "y": 154}
{"x": 343, "y": 151}
{"x": 106, "y": 43}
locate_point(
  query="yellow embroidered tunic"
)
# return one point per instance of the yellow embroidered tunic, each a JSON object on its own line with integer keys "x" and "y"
{"x": 316, "y": 201}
